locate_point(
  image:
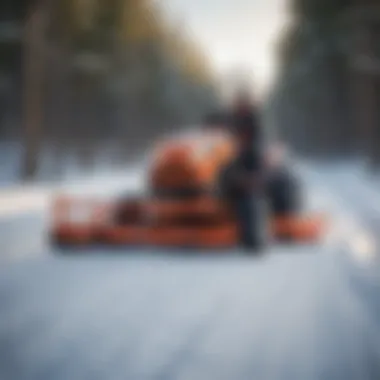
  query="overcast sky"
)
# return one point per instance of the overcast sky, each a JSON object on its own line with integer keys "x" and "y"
{"x": 236, "y": 33}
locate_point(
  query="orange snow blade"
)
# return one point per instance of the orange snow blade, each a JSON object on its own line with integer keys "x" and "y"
{"x": 164, "y": 211}
{"x": 218, "y": 237}
{"x": 80, "y": 211}
{"x": 74, "y": 234}
{"x": 122, "y": 235}
{"x": 303, "y": 228}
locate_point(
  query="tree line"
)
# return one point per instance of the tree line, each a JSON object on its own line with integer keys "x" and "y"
{"x": 321, "y": 99}
{"x": 84, "y": 74}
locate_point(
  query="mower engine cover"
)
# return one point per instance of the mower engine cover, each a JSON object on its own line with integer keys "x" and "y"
{"x": 190, "y": 161}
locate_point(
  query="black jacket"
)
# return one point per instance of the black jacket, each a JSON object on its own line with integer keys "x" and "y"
{"x": 248, "y": 162}
{"x": 246, "y": 124}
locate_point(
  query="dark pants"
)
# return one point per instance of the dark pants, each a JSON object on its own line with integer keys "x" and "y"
{"x": 283, "y": 190}
{"x": 251, "y": 221}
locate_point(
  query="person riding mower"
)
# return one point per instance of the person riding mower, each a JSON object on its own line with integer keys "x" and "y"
{"x": 252, "y": 186}
{"x": 247, "y": 173}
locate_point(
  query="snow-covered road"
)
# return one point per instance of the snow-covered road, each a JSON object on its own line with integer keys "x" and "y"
{"x": 310, "y": 313}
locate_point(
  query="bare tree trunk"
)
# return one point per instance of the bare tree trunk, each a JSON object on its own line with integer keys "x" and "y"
{"x": 33, "y": 93}
{"x": 367, "y": 100}
{"x": 60, "y": 117}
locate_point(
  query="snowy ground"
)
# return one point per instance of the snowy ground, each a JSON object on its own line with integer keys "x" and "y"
{"x": 34, "y": 197}
{"x": 311, "y": 313}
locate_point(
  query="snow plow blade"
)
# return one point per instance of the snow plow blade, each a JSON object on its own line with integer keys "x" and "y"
{"x": 204, "y": 223}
